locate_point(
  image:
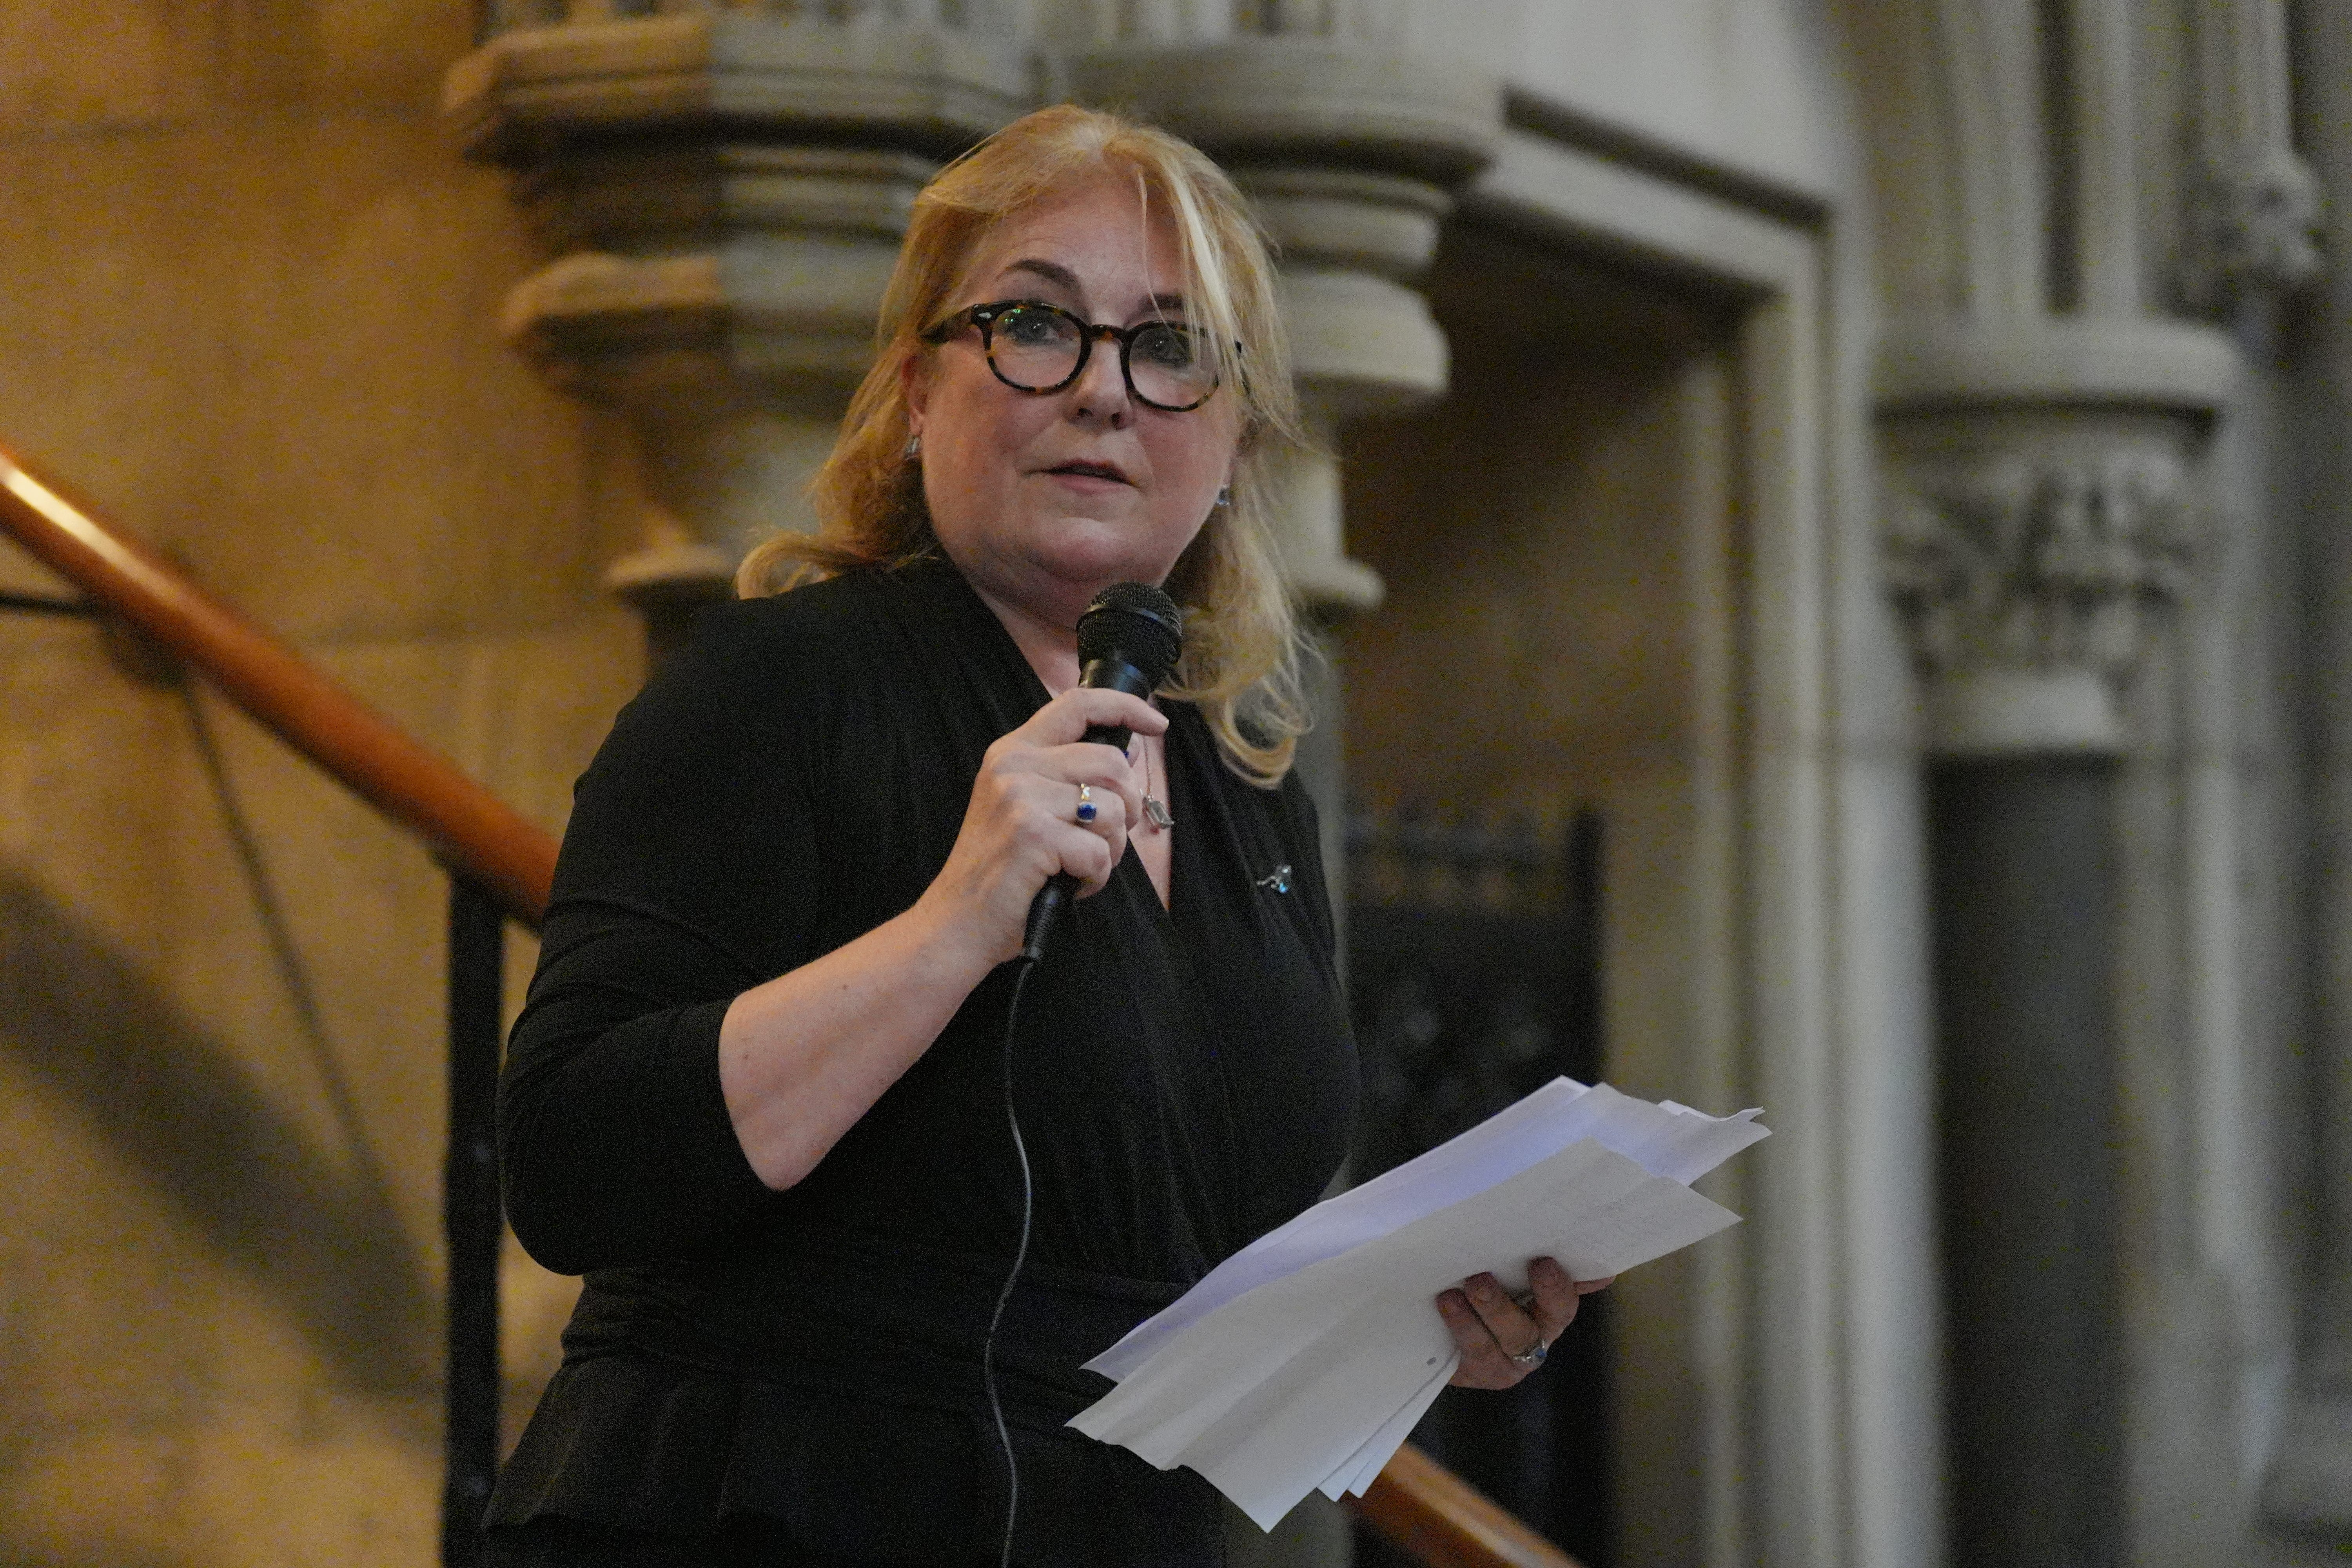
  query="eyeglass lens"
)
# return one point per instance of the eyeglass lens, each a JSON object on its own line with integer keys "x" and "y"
{"x": 1038, "y": 349}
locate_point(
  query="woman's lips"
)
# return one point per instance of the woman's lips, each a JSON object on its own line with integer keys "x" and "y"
{"x": 1091, "y": 477}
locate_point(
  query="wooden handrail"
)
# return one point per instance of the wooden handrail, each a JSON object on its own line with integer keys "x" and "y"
{"x": 472, "y": 831}
{"x": 1425, "y": 1509}
{"x": 1417, "y": 1504}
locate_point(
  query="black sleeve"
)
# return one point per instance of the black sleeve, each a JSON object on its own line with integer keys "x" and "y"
{"x": 685, "y": 878}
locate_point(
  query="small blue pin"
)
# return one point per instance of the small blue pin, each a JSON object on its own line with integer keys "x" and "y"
{"x": 1279, "y": 881}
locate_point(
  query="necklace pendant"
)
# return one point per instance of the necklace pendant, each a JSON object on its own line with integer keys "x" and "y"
{"x": 1156, "y": 809}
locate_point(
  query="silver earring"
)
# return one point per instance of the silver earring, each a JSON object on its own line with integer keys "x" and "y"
{"x": 914, "y": 446}
{"x": 1225, "y": 496}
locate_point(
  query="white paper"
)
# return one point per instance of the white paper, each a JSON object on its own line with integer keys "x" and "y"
{"x": 1364, "y": 1467}
{"x": 1304, "y": 1360}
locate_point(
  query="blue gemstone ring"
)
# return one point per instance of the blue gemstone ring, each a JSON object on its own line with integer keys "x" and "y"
{"x": 1086, "y": 802}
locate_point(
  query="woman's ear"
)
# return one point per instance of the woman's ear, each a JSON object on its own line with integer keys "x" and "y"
{"x": 915, "y": 388}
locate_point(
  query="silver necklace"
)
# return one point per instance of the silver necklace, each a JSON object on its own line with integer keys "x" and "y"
{"x": 1154, "y": 807}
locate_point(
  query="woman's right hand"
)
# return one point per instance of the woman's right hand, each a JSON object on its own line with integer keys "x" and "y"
{"x": 804, "y": 1056}
{"x": 1021, "y": 826}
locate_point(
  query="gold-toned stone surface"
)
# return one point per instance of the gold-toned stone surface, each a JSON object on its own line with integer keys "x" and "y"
{"x": 249, "y": 309}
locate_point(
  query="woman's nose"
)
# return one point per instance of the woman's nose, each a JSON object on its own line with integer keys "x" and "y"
{"x": 1101, "y": 392}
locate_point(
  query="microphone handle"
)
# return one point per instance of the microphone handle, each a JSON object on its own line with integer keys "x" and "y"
{"x": 1061, "y": 889}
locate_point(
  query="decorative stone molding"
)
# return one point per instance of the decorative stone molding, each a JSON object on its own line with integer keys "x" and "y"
{"x": 2259, "y": 225}
{"x": 2256, "y": 211}
{"x": 795, "y": 248}
{"x": 725, "y": 190}
{"x": 1304, "y": 99}
{"x": 2028, "y": 582}
{"x": 1350, "y": 151}
{"x": 1363, "y": 343}
{"x": 2053, "y": 364}
{"x": 850, "y": 71}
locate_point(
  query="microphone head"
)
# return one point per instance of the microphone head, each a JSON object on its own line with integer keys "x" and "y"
{"x": 1135, "y": 624}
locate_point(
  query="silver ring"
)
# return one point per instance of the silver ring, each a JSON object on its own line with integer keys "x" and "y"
{"x": 1534, "y": 1358}
{"x": 1087, "y": 808}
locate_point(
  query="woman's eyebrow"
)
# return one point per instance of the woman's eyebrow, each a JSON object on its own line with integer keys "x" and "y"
{"x": 1056, "y": 273}
{"x": 1051, "y": 271}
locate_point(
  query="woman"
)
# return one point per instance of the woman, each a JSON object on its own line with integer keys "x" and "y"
{"x": 759, "y": 1093}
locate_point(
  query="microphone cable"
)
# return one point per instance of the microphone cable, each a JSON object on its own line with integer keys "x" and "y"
{"x": 1020, "y": 1256}
{"x": 1129, "y": 640}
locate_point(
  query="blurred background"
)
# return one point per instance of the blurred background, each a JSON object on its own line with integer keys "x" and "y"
{"x": 1830, "y": 533}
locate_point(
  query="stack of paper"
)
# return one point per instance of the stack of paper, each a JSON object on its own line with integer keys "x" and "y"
{"x": 1304, "y": 1360}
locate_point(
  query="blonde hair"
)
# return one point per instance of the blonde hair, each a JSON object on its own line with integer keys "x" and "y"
{"x": 1241, "y": 641}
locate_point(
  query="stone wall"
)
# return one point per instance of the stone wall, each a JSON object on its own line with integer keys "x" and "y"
{"x": 247, "y": 308}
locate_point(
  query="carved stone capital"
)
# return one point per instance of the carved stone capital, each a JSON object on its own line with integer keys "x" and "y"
{"x": 2039, "y": 513}
{"x": 729, "y": 319}
{"x": 2029, "y": 573}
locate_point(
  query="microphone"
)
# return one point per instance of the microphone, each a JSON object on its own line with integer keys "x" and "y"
{"x": 1129, "y": 640}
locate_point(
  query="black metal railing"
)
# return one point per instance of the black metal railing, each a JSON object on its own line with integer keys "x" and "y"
{"x": 1473, "y": 967}
{"x": 472, "y": 1220}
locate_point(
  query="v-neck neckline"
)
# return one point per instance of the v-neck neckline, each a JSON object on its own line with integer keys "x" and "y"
{"x": 1167, "y": 906}
{"x": 1009, "y": 646}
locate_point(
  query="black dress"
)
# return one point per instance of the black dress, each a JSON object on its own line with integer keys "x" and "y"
{"x": 805, "y": 1365}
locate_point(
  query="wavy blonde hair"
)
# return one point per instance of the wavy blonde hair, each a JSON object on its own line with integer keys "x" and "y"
{"x": 1241, "y": 641}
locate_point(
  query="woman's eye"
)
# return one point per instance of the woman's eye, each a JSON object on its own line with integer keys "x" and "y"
{"x": 1169, "y": 347}
{"x": 1030, "y": 326}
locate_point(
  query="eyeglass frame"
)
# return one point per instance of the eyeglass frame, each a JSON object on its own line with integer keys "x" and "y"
{"x": 984, "y": 315}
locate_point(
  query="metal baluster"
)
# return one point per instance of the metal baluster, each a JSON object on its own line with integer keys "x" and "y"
{"x": 471, "y": 1217}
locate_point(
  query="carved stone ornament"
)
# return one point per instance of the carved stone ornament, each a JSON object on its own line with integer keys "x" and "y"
{"x": 2257, "y": 209}
{"x": 2262, "y": 223}
{"x": 2028, "y": 584}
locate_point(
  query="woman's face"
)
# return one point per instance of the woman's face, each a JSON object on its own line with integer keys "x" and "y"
{"x": 1044, "y": 500}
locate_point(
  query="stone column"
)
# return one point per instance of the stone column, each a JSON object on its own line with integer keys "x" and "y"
{"x": 725, "y": 188}
{"x": 2308, "y": 1487}
{"x": 2044, "y": 429}
{"x": 1350, "y": 149}
{"x": 2028, "y": 551}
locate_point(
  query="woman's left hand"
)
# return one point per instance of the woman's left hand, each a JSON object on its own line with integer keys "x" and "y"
{"x": 1503, "y": 1338}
